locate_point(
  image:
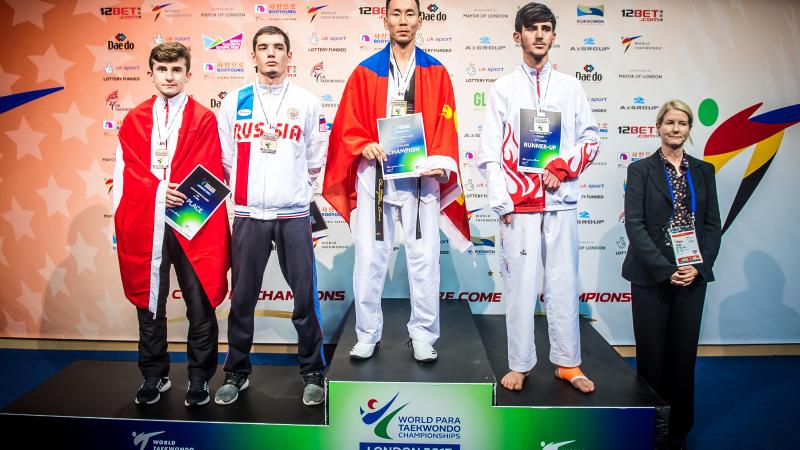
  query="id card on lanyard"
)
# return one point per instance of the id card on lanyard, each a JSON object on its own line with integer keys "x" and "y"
{"x": 269, "y": 140}
{"x": 684, "y": 238}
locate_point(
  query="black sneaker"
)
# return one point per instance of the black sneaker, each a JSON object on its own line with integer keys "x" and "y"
{"x": 197, "y": 393}
{"x": 150, "y": 391}
{"x": 314, "y": 392}
{"x": 229, "y": 391}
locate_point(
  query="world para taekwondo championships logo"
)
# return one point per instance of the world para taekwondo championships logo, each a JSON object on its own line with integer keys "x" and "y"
{"x": 372, "y": 415}
{"x": 738, "y": 133}
{"x": 232, "y": 43}
{"x": 430, "y": 427}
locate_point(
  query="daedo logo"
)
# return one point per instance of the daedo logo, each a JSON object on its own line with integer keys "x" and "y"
{"x": 380, "y": 416}
{"x": 121, "y": 44}
{"x": 589, "y": 74}
{"x": 433, "y": 13}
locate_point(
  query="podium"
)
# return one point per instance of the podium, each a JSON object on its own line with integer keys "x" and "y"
{"x": 388, "y": 402}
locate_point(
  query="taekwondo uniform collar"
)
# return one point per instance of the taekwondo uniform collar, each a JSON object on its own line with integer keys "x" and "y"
{"x": 532, "y": 71}
{"x": 174, "y": 102}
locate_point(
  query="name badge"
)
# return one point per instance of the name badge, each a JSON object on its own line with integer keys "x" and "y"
{"x": 541, "y": 125}
{"x": 685, "y": 245}
{"x": 269, "y": 142}
{"x": 398, "y": 108}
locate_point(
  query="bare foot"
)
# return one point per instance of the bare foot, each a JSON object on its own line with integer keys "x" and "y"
{"x": 576, "y": 378}
{"x": 514, "y": 380}
{"x": 584, "y": 385}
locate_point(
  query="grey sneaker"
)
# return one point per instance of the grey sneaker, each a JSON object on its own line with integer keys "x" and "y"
{"x": 229, "y": 391}
{"x": 314, "y": 392}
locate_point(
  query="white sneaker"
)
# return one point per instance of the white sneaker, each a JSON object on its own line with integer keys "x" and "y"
{"x": 423, "y": 352}
{"x": 362, "y": 351}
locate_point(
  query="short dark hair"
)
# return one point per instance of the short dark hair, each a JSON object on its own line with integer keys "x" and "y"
{"x": 390, "y": 1}
{"x": 169, "y": 52}
{"x": 533, "y": 13}
{"x": 271, "y": 31}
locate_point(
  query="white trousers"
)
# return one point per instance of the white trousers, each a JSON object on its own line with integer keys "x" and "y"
{"x": 553, "y": 236}
{"x": 372, "y": 262}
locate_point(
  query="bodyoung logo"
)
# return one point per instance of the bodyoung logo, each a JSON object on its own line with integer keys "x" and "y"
{"x": 373, "y": 415}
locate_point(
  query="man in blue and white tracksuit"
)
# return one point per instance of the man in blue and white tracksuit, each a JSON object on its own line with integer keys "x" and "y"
{"x": 274, "y": 142}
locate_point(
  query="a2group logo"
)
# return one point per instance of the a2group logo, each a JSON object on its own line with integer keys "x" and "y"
{"x": 380, "y": 416}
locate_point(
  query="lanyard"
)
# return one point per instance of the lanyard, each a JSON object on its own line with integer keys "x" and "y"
{"x": 401, "y": 80}
{"x": 672, "y": 194}
{"x": 264, "y": 110}
{"x": 539, "y": 100}
{"x": 169, "y": 125}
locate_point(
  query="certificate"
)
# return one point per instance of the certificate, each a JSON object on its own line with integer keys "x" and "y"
{"x": 204, "y": 194}
{"x": 539, "y": 139}
{"x": 403, "y": 141}
{"x": 319, "y": 228}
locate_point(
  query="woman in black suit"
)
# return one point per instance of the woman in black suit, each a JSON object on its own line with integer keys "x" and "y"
{"x": 670, "y": 194}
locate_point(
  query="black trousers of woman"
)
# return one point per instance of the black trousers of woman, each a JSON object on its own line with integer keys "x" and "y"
{"x": 666, "y": 325}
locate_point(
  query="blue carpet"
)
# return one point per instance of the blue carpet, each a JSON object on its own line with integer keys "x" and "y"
{"x": 745, "y": 402}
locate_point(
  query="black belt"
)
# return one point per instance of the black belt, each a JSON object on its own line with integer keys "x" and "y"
{"x": 379, "y": 203}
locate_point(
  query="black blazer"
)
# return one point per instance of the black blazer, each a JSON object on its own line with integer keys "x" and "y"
{"x": 648, "y": 206}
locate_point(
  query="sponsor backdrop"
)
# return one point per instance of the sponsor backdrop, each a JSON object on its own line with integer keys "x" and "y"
{"x": 73, "y": 69}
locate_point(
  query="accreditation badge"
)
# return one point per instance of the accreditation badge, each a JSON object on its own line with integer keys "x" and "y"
{"x": 540, "y": 139}
{"x": 161, "y": 148}
{"x": 685, "y": 245}
{"x": 269, "y": 142}
{"x": 398, "y": 108}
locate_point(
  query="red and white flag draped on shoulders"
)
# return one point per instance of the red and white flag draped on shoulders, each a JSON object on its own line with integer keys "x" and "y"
{"x": 139, "y": 215}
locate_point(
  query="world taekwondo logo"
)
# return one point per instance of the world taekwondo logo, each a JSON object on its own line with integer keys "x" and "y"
{"x": 555, "y": 445}
{"x": 379, "y": 416}
{"x": 142, "y": 439}
{"x": 313, "y": 10}
{"x": 740, "y": 132}
{"x": 158, "y": 9}
{"x": 627, "y": 41}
